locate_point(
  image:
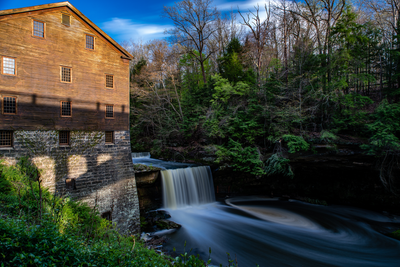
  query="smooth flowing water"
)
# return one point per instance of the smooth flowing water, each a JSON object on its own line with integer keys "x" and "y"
{"x": 271, "y": 232}
{"x": 187, "y": 187}
{"x": 145, "y": 158}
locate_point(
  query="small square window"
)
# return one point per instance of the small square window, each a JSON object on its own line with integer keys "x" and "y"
{"x": 109, "y": 111}
{"x": 38, "y": 29}
{"x": 107, "y": 215}
{"x": 109, "y": 137}
{"x": 66, "y": 74}
{"x": 89, "y": 42}
{"x": 66, "y": 109}
{"x": 66, "y": 19}
{"x": 9, "y": 105}
{"x": 109, "y": 81}
{"x": 8, "y": 66}
{"x": 6, "y": 138}
{"x": 64, "y": 138}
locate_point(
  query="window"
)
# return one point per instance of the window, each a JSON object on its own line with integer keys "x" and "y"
{"x": 109, "y": 81}
{"x": 89, "y": 42}
{"x": 70, "y": 184}
{"x": 109, "y": 137}
{"x": 8, "y": 66}
{"x": 109, "y": 111}
{"x": 64, "y": 138}
{"x": 66, "y": 110}
{"x": 66, "y": 74}
{"x": 66, "y": 19}
{"x": 38, "y": 29}
{"x": 9, "y": 105}
{"x": 107, "y": 215}
{"x": 6, "y": 138}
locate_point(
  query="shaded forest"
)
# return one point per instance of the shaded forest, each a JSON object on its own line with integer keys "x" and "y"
{"x": 251, "y": 86}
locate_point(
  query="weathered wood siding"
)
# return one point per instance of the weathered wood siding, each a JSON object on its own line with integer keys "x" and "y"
{"x": 37, "y": 84}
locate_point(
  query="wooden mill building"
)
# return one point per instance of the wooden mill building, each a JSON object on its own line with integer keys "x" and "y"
{"x": 64, "y": 100}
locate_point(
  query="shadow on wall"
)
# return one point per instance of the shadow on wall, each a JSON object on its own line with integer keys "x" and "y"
{"x": 104, "y": 179}
{"x": 43, "y": 112}
{"x": 88, "y": 170}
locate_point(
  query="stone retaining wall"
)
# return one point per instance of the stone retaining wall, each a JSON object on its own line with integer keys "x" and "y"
{"x": 87, "y": 170}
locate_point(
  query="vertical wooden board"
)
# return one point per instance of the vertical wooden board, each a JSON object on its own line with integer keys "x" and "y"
{"x": 38, "y": 74}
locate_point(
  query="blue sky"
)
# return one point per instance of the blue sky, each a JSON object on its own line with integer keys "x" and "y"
{"x": 138, "y": 20}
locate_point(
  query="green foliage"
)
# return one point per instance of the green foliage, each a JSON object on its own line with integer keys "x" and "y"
{"x": 190, "y": 260}
{"x": 246, "y": 124}
{"x": 295, "y": 143}
{"x": 23, "y": 244}
{"x": 192, "y": 77}
{"x": 224, "y": 90}
{"x": 330, "y": 85}
{"x": 24, "y": 195}
{"x": 278, "y": 165}
{"x": 5, "y": 184}
{"x": 69, "y": 234}
{"x": 351, "y": 118}
{"x": 328, "y": 136}
{"x": 246, "y": 159}
{"x": 385, "y": 130}
{"x": 137, "y": 68}
{"x": 232, "y": 67}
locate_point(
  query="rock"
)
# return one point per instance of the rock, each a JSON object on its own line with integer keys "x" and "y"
{"x": 166, "y": 224}
{"x": 156, "y": 220}
{"x": 145, "y": 237}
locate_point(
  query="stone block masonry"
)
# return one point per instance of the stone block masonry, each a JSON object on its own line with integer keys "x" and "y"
{"x": 88, "y": 170}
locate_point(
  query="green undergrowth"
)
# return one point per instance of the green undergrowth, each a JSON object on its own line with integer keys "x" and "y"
{"x": 40, "y": 229}
{"x": 278, "y": 165}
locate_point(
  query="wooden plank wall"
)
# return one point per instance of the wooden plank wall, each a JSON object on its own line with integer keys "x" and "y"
{"x": 37, "y": 84}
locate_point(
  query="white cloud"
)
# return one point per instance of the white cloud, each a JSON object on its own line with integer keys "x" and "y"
{"x": 126, "y": 30}
{"x": 243, "y": 5}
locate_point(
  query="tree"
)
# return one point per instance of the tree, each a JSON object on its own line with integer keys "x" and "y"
{"x": 260, "y": 32}
{"x": 231, "y": 64}
{"x": 194, "y": 27}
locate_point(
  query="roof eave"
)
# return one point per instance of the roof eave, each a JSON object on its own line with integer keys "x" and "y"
{"x": 126, "y": 54}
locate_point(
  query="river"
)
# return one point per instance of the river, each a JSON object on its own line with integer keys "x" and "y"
{"x": 270, "y": 231}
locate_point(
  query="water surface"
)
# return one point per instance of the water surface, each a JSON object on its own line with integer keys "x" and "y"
{"x": 270, "y": 232}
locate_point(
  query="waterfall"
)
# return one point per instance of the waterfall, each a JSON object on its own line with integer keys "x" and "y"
{"x": 141, "y": 155}
{"x": 187, "y": 187}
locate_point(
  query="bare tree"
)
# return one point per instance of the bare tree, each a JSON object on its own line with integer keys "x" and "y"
{"x": 227, "y": 29}
{"x": 259, "y": 29}
{"x": 323, "y": 15}
{"x": 156, "y": 86}
{"x": 287, "y": 21}
{"x": 386, "y": 14}
{"x": 194, "y": 27}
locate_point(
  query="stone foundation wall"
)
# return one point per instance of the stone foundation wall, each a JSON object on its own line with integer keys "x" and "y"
{"x": 87, "y": 170}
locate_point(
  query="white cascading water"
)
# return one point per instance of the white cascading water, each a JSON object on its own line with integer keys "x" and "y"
{"x": 140, "y": 155}
{"x": 187, "y": 187}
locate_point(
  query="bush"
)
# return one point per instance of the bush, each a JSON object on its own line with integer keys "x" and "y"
{"x": 295, "y": 143}
{"x": 278, "y": 165}
{"x": 245, "y": 159}
{"x": 22, "y": 244}
{"x": 328, "y": 136}
{"x": 68, "y": 234}
{"x": 385, "y": 130}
